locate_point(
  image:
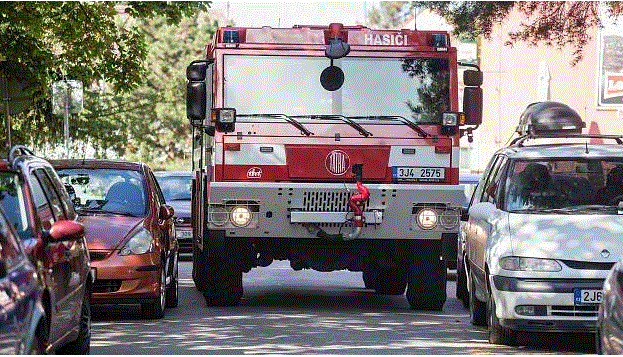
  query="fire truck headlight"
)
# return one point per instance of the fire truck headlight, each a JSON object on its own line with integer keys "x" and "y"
{"x": 450, "y": 119}
{"x": 218, "y": 215}
{"x": 241, "y": 216}
{"x": 427, "y": 218}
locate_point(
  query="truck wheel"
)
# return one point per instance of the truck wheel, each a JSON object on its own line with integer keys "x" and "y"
{"x": 391, "y": 282}
{"x": 461, "y": 283}
{"x": 224, "y": 287}
{"x": 369, "y": 278}
{"x": 200, "y": 270}
{"x": 427, "y": 276}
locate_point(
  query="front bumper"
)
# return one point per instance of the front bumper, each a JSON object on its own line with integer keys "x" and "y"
{"x": 553, "y": 301}
{"x": 126, "y": 279}
{"x": 285, "y": 210}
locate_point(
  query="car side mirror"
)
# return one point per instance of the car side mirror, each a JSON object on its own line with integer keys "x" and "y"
{"x": 166, "y": 212}
{"x": 65, "y": 231}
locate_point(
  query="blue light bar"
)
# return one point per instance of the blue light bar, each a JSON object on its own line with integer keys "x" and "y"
{"x": 439, "y": 40}
{"x": 230, "y": 36}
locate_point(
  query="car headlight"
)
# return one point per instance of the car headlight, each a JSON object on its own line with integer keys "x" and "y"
{"x": 241, "y": 216}
{"x": 529, "y": 264}
{"x": 427, "y": 218}
{"x": 140, "y": 243}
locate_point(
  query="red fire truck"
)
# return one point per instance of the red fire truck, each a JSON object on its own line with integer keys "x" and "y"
{"x": 333, "y": 147}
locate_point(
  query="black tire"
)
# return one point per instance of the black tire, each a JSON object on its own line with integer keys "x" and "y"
{"x": 477, "y": 308}
{"x": 224, "y": 285}
{"x": 461, "y": 284}
{"x": 155, "y": 309}
{"x": 391, "y": 282}
{"x": 427, "y": 275}
{"x": 498, "y": 334}
{"x": 82, "y": 344}
{"x": 172, "y": 298}
{"x": 369, "y": 278}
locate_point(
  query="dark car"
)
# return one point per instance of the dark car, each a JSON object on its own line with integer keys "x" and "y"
{"x": 176, "y": 187}
{"x": 469, "y": 183}
{"x": 609, "y": 336}
{"x": 40, "y": 211}
{"x": 21, "y": 311}
{"x": 130, "y": 232}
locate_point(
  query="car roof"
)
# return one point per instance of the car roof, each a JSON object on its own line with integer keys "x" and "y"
{"x": 172, "y": 173}
{"x": 562, "y": 151}
{"x": 96, "y": 164}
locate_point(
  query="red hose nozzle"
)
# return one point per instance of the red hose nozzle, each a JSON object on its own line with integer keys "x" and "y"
{"x": 356, "y": 201}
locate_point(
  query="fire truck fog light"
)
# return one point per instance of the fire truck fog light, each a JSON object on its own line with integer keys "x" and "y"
{"x": 427, "y": 218}
{"x": 241, "y": 216}
{"x": 449, "y": 219}
{"x": 218, "y": 216}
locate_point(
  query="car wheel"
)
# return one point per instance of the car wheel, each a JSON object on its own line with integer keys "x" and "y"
{"x": 82, "y": 344}
{"x": 498, "y": 334}
{"x": 461, "y": 283}
{"x": 369, "y": 277}
{"x": 427, "y": 276}
{"x": 477, "y": 308}
{"x": 155, "y": 309}
{"x": 172, "y": 290}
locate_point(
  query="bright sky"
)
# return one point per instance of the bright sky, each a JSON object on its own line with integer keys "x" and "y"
{"x": 287, "y": 14}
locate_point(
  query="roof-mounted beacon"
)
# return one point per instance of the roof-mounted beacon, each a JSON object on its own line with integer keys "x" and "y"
{"x": 549, "y": 119}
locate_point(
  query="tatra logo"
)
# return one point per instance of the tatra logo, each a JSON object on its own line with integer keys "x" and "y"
{"x": 337, "y": 162}
{"x": 254, "y": 172}
{"x": 605, "y": 253}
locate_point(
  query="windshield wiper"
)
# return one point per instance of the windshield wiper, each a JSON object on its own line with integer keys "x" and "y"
{"x": 347, "y": 120}
{"x": 403, "y": 120}
{"x": 290, "y": 120}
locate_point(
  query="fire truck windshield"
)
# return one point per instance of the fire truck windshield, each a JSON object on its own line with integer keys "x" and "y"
{"x": 414, "y": 88}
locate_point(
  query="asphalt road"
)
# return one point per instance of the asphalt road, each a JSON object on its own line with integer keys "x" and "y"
{"x": 307, "y": 312}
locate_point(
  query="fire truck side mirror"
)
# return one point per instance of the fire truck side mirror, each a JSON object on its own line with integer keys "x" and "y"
{"x": 196, "y": 97}
{"x": 472, "y": 97}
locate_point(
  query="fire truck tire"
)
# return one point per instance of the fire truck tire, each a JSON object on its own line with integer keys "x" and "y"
{"x": 391, "y": 282}
{"x": 224, "y": 287}
{"x": 461, "y": 284}
{"x": 427, "y": 277}
{"x": 199, "y": 270}
{"x": 369, "y": 278}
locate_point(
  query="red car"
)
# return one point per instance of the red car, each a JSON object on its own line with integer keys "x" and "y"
{"x": 129, "y": 230}
{"x": 176, "y": 187}
{"x": 38, "y": 207}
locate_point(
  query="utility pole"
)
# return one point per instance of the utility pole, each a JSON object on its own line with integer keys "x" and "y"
{"x": 66, "y": 98}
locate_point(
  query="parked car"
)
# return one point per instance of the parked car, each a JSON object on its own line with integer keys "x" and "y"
{"x": 543, "y": 227}
{"x": 176, "y": 187}
{"x": 21, "y": 311}
{"x": 129, "y": 230}
{"x": 40, "y": 211}
{"x": 469, "y": 183}
{"x": 609, "y": 336}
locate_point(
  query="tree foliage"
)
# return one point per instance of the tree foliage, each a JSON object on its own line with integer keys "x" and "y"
{"x": 388, "y": 14}
{"x": 553, "y": 23}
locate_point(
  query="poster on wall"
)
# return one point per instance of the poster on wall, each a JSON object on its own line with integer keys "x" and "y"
{"x": 610, "y": 93}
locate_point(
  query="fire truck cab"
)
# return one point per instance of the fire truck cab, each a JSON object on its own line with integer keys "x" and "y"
{"x": 333, "y": 147}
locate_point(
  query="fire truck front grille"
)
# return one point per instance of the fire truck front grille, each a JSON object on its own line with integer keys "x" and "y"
{"x": 326, "y": 201}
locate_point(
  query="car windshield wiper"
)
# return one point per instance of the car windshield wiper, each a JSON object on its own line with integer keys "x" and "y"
{"x": 403, "y": 120}
{"x": 594, "y": 208}
{"x": 290, "y": 120}
{"x": 347, "y": 120}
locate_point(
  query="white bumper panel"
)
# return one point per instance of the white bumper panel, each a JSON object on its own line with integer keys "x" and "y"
{"x": 285, "y": 208}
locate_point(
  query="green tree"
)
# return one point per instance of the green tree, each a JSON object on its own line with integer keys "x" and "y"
{"x": 388, "y": 14}
{"x": 553, "y": 23}
{"x": 41, "y": 42}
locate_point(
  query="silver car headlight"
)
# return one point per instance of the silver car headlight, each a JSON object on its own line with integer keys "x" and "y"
{"x": 141, "y": 242}
{"x": 529, "y": 264}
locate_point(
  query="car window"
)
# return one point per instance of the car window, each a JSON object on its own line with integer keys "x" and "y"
{"x": 486, "y": 176}
{"x": 159, "y": 194}
{"x": 176, "y": 187}
{"x": 10, "y": 251}
{"x": 42, "y": 205}
{"x": 51, "y": 194}
{"x": 493, "y": 183}
{"x": 62, "y": 193}
{"x": 12, "y": 200}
